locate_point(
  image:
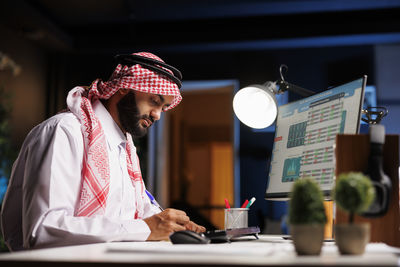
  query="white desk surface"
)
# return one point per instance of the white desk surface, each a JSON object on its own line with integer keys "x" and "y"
{"x": 269, "y": 250}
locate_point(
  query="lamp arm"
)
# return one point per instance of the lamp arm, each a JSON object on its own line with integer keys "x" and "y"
{"x": 270, "y": 87}
{"x": 374, "y": 115}
{"x": 283, "y": 86}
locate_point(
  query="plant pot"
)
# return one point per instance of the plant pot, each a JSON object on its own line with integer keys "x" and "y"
{"x": 307, "y": 238}
{"x": 352, "y": 238}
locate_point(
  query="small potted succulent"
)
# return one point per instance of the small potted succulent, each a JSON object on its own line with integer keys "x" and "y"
{"x": 353, "y": 193}
{"x": 307, "y": 217}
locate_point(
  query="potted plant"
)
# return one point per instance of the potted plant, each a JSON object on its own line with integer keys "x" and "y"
{"x": 353, "y": 193}
{"x": 307, "y": 217}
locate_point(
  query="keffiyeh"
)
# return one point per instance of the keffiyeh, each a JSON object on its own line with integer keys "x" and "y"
{"x": 96, "y": 169}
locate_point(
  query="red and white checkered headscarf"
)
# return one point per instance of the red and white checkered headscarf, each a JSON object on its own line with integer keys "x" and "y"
{"x": 137, "y": 78}
{"x": 96, "y": 170}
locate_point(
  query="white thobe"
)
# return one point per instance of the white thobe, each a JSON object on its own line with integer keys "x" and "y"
{"x": 44, "y": 189}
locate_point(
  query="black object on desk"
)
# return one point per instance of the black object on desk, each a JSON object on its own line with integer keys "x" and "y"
{"x": 221, "y": 236}
{"x": 188, "y": 237}
{"x": 215, "y": 236}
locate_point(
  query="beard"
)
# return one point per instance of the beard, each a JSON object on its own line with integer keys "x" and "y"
{"x": 129, "y": 116}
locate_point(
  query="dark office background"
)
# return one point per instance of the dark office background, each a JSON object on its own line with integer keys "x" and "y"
{"x": 61, "y": 44}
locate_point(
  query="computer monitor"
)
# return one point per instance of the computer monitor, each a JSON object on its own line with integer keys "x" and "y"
{"x": 305, "y": 137}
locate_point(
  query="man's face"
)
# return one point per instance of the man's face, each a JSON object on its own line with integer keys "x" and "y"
{"x": 137, "y": 111}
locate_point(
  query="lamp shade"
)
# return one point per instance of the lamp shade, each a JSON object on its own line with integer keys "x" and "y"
{"x": 256, "y": 105}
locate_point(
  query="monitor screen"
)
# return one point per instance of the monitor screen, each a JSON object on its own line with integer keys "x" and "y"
{"x": 305, "y": 136}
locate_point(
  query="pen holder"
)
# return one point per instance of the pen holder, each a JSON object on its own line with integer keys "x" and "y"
{"x": 236, "y": 218}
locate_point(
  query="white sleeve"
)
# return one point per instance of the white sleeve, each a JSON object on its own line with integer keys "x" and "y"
{"x": 149, "y": 208}
{"x": 51, "y": 190}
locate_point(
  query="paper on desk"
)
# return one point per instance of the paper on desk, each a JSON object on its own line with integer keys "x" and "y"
{"x": 381, "y": 247}
{"x": 252, "y": 248}
{"x": 234, "y": 248}
{"x": 371, "y": 248}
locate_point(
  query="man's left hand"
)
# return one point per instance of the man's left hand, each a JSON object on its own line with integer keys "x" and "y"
{"x": 195, "y": 227}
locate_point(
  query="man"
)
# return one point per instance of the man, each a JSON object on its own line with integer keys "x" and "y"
{"x": 77, "y": 178}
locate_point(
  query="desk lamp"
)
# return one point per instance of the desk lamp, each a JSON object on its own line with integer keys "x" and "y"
{"x": 256, "y": 105}
{"x": 380, "y": 180}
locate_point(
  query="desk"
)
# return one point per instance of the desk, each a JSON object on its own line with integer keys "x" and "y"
{"x": 269, "y": 250}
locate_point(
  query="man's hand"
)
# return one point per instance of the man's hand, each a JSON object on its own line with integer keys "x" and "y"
{"x": 195, "y": 227}
{"x": 170, "y": 220}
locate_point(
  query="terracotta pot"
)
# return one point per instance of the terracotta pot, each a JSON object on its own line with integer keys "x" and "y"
{"x": 307, "y": 238}
{"x": 352, "y": 238}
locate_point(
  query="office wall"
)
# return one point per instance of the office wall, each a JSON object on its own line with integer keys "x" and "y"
{"x": 28, "y": 89}
{"x": 387, "y": 69}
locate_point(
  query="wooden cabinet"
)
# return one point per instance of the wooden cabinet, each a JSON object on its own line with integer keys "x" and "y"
{"x": 352, "y": 153}
{"x": 209, "y": 172}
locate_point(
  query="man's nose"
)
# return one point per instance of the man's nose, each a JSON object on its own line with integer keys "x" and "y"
{"x": 156, "y": 114}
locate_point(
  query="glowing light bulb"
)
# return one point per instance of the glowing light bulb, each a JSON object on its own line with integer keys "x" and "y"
{"x": 255, "y": 106}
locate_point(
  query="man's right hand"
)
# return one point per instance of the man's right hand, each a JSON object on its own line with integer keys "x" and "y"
{"x": 165, "y": 223}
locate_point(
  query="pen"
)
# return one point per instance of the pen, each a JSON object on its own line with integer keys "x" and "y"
{"x": 227, "y": 204}
{"x": 244, "y": 204}
{"x": 251, "y": 202}
{"x": 153, "y": 200}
